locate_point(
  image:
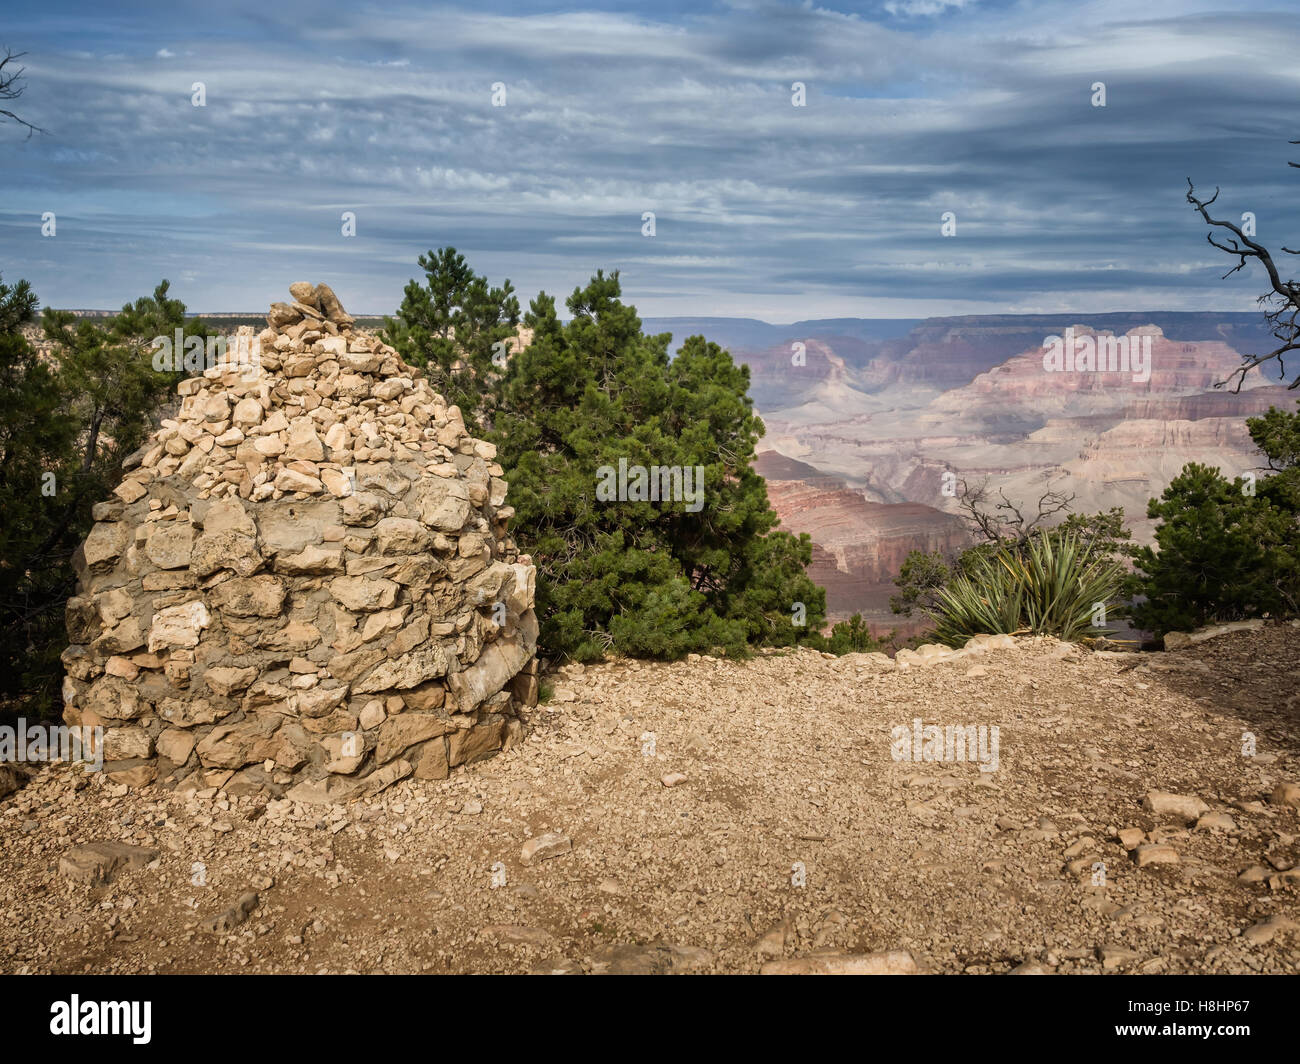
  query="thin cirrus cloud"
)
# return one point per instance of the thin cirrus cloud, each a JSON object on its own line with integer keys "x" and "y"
{"x": 762, "y": 209}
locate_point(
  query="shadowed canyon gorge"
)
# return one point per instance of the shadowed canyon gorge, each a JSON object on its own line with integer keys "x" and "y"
{"x": 864, "y": 417}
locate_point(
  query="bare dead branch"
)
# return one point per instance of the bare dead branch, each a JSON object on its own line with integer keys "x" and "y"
{"x": 12, "y": 88}
{"x": 1281, "y": 303}
{"x": 999, "y": 520}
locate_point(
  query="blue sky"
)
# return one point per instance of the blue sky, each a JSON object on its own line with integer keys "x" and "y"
{"x": 763, "y": 209}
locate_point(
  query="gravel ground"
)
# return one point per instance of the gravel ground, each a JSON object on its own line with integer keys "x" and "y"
{"x": 712, "y": 816}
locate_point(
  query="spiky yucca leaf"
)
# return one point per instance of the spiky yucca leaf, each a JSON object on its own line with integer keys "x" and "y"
{"x": 1065, "y": 583}
{"x": 987, "y": 599}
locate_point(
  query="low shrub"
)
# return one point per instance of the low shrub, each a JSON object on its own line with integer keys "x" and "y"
{"x": 1050, "y": 585}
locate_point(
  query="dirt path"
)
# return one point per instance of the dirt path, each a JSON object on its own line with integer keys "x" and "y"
{"x": 795, "y": 830}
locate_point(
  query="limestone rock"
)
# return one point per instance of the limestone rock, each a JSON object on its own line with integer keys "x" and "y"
{"x": 1286, "y": 794}
{"x": 12, "y": 778}
{"x": 500, "y": 661}
{"x": 544, "y": 847}
{"x": 400, "y": 733}
{"x": 313, "y": 527}
{"x": 123, "y": 744}
{"x": 360, "y": 593}
{"x": 1155, "y": 853}
{"x": 410, "y": 670}
{"x": 304, "y": 292}
{"x": 226, "y": 680}
{"x": 891, "y": 962}
{"x": 1179, "y": 640}
{"x": 466, "y": 747}
{"x": 175, "y": 744}
{"x": 518, "y": 935}
{"x": 1266, "y": 930}
{"x": 432, "y": 762}
{"x": 331, "y": 307}
{"x": 232, "y": 917}
{"x": 104, "y": 546}
{"x": 1185, "y": 807}
{"x": 96, "y": 862}
{"x": 178, "y": 626}
{"x": 169, "y": 545}
{"x": 252, "y": 596}
{"x": 655, "y": 959}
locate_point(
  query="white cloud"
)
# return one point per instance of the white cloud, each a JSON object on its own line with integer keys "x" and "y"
{"x": 924, "y": 8}
{"x": 611, "y": 114}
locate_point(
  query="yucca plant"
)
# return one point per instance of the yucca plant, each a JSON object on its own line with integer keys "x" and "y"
{"x": 987, "y": 598}
{"x": 1050, "y": 585}
{"x": 1065, "y": 582}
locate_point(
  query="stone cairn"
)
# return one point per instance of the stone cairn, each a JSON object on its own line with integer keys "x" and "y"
{"x": 304, "y": 586}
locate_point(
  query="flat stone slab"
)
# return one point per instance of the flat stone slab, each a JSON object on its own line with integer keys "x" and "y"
{"x": 95, "y": 862}
{"x": 544, "y": 847}
{"x": 887, "y": 962}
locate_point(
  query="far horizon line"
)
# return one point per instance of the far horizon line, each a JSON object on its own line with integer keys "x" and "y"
{"x": 761, "y": 321}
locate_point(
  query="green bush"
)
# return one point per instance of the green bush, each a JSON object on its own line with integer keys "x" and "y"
{"x": 850, "y": 637}
{"x": 924, "y": 573}
{"x": 1226, "y": 549}
{"x": 67, "y": 422}
{"x": 647, "y": 578}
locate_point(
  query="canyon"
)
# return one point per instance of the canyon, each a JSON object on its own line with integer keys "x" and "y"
{"x": 865, "y": 417}
{"x": 858, "y": 545}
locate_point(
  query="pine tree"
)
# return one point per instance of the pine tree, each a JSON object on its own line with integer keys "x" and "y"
{"x": 37, "y": 437}
{"x": 454, "y": 326}
{"x": 655, "y": 578}
{"x": 851, "y": 637}
{"x": 1224, "y": 554}
{"x": 67, "y": 423}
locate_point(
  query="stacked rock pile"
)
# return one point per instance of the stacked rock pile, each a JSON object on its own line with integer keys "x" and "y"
{"x": 305, "y": 584}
